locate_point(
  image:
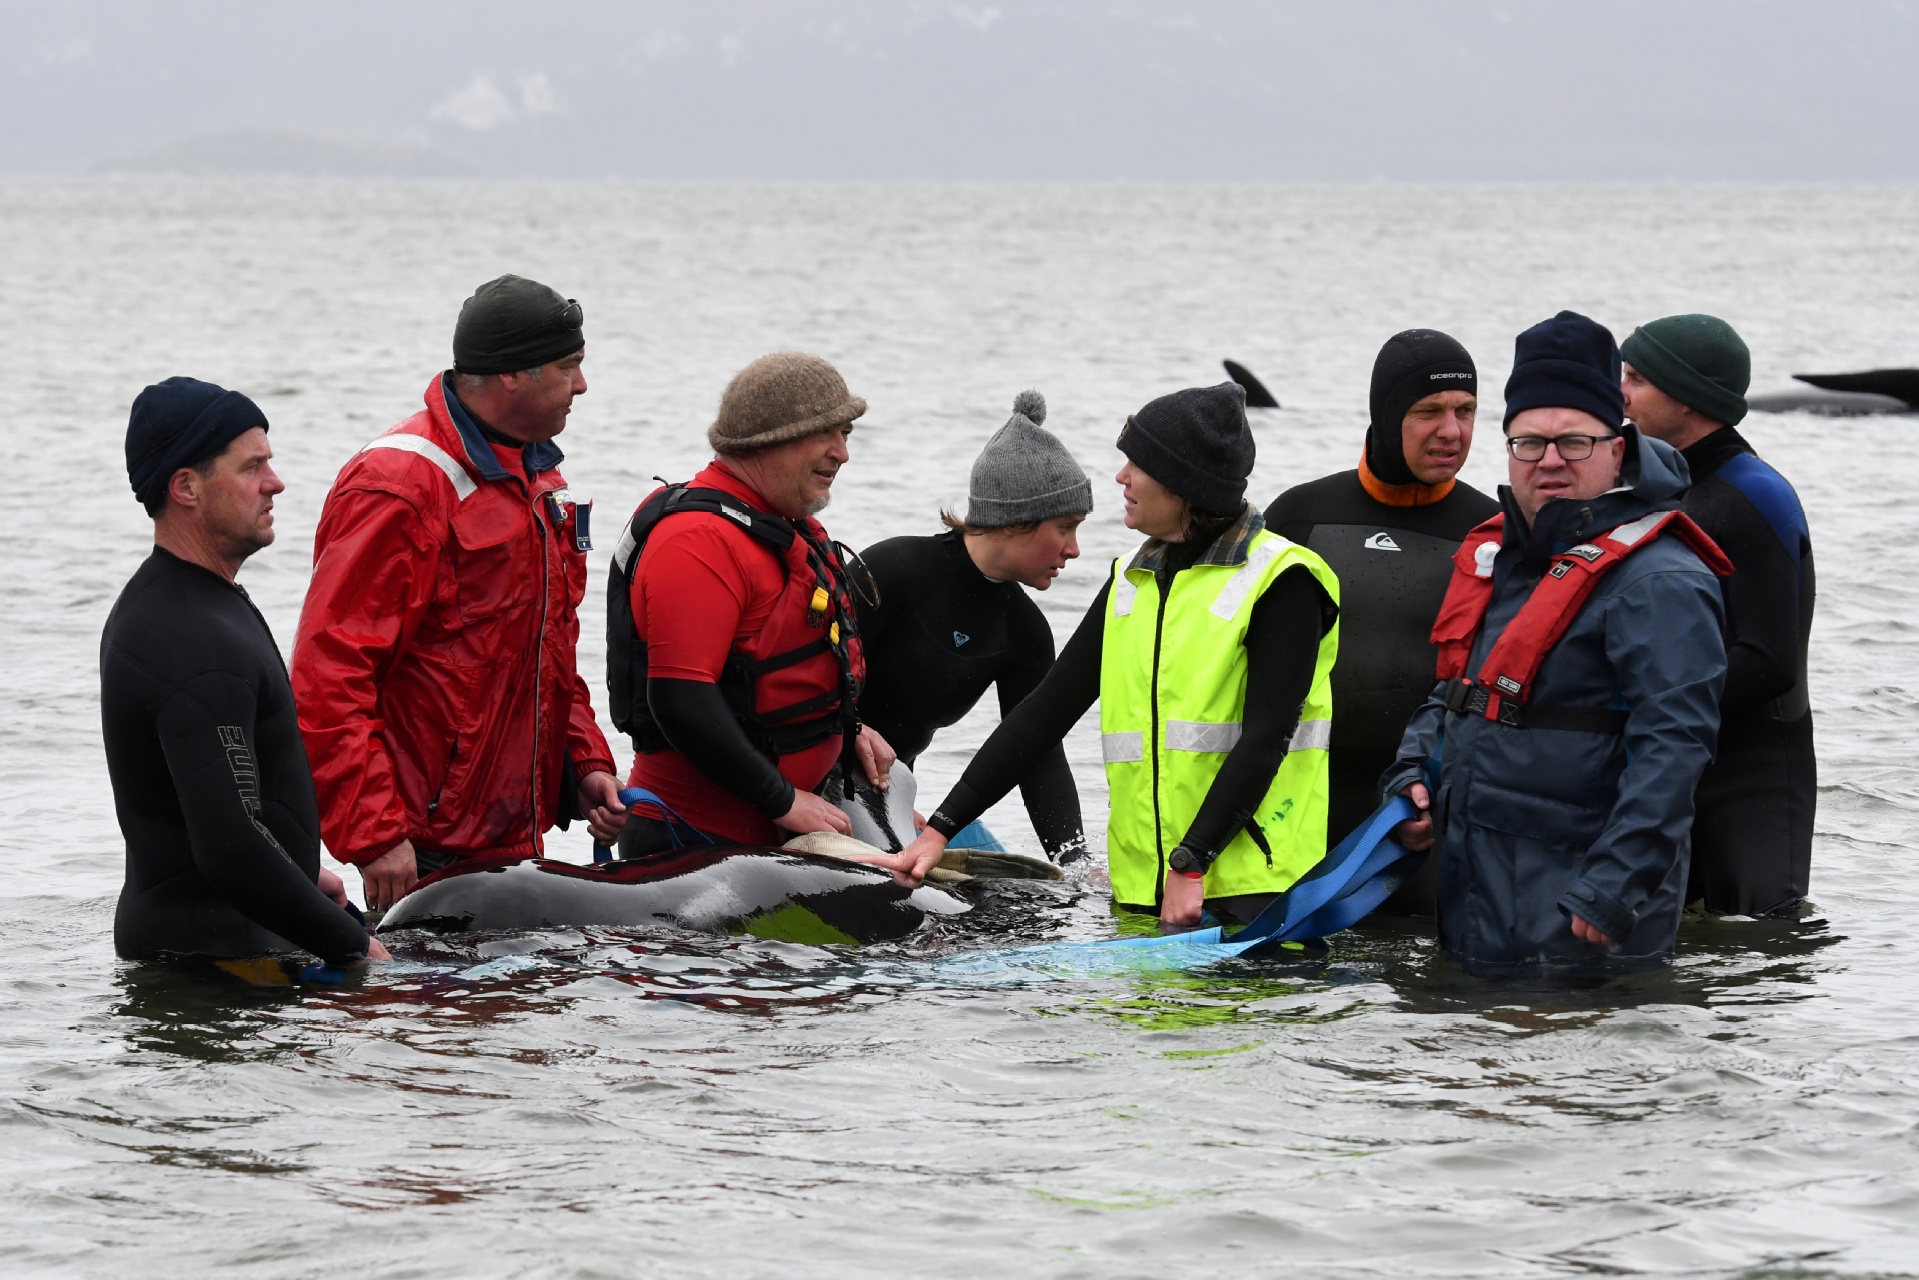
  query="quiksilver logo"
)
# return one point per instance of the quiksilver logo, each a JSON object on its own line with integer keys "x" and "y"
{"x": 1381, "y": 542}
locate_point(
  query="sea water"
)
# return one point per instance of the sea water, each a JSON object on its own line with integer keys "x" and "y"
{"x": 590, "y": 1103}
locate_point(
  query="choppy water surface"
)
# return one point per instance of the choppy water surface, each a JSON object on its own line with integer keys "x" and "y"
{"x": 580, "y": 1103}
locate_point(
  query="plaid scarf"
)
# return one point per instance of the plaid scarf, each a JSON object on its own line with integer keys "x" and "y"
{"x": 1229, "y": 548}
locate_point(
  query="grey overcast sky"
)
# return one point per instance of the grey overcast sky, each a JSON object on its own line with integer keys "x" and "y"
{"x": 1233, "y": 90}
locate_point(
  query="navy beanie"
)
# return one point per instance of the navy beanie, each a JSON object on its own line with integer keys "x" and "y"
{"x": 1411, "y": 366}
{"x": 1567, "y": 362}
{"x": 1196, "y": 443}
{"x": 178, "y": 423}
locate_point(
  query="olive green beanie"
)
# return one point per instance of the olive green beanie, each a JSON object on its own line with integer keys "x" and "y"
{"x": 1697, "y": 360}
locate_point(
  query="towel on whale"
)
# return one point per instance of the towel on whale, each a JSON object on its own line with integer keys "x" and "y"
{"x": 883, "y": 824}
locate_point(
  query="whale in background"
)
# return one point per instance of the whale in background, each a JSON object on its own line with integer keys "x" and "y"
{"x": 1845, "y": 394}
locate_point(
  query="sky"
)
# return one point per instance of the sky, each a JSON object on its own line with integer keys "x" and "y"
{"x": 886, "y": 90}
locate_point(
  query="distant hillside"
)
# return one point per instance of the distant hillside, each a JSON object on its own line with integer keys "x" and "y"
{"x": 261, "y": 152}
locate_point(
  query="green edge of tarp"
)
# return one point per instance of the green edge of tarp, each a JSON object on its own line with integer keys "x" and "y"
{"x": 794, "y": 923}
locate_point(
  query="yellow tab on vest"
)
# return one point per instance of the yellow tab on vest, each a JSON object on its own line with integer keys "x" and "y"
{"x": 820, "y": 600}
{"x": 835, "y": 633}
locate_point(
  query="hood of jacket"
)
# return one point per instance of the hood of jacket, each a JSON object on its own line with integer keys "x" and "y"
{"x": 1652, "y": 477}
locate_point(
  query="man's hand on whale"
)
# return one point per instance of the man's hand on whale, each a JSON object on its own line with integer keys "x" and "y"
{"x": 600, "y": 803}
{"x": 811, "y": 812}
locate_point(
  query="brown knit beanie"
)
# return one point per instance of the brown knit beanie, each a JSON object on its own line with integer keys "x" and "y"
{"x": 781, "y": 397}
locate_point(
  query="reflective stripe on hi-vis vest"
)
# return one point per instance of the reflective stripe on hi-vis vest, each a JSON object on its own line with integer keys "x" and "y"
{"x": 1506, "y": 677}
{"x": 1172, "y": 692}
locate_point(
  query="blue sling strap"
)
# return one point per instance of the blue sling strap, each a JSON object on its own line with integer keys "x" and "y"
{"x": 631, "y": 796}
{"x": 1349, "y": 882}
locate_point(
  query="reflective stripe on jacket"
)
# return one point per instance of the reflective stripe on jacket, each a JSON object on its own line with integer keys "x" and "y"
{"x": 1172, "y": 695}
{"x": 434, "y": 666}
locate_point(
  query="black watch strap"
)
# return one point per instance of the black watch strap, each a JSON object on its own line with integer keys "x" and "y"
{"x": 1185, "y": 859}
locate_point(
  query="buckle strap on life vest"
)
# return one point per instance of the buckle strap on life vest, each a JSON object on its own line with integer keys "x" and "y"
{"x": 1465, "y": 698}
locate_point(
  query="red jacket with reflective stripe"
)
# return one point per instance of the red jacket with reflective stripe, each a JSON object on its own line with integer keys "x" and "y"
{"x": 434, "y": 667}
{"x": 1569, "y": 581}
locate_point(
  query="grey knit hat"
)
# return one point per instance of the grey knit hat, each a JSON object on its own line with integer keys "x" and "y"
{"x": 778, "y": 398}
{"x": 1025, "y": 474}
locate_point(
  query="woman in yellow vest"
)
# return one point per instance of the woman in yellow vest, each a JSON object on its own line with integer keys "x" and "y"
{"x": 1209, "y": 650}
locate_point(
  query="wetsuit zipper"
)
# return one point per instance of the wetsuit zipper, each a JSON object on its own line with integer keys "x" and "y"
{"x": 1159, "y": 839}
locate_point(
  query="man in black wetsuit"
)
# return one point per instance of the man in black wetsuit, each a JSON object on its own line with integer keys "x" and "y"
{"x": 953, "y": 620}
{"x": 1685, "y": 381}
{"x": 210, "y": 780}
{"x": 1389, "y": 529}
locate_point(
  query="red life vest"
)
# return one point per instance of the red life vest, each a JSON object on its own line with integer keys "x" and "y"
{"x": 1507, "y": 675}
{"x": 793, "y": 684}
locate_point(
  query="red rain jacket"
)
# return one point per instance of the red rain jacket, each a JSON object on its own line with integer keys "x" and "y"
{"x": 434, "y": 668}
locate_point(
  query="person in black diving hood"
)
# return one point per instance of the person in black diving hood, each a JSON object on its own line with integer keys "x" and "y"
{"x": 953, "y": 620}
{"x": 210, "y": 779}
{"x": 1389, "y": 528}
{"x": 1685, "y": 381}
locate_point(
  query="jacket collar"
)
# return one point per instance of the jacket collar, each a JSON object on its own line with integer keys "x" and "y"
{"x": 541, "y": 455}
{"x": 1229, "y": 548}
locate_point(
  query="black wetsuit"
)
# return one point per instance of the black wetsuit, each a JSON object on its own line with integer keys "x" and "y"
{"x": 944, "y": 631}
{"x": 210, "y": 778}
{"x": 1393, "y": 565}
{"x": 1753, "y": 811}
{"x": 1282, "y": 648}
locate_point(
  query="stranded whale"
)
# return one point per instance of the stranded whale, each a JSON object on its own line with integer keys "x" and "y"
{"x": 785, "y": 895}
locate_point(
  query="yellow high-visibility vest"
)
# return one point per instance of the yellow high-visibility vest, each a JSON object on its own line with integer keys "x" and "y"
{"x": 1172, "y": 693}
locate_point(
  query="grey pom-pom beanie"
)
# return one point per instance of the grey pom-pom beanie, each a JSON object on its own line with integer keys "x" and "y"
{"x": 1025, "y": 474}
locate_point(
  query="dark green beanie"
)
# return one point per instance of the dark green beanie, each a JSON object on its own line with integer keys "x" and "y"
{"x": 1697, "y": 360}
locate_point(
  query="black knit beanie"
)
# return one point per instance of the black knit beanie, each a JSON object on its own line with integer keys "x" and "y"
{"x": 178, "y": 423}
{"x": 1196, "y": 443}
{"x": 1411, "y": 366}
{"x": 512, "y": 323}
{"x": 1567, "y": 362}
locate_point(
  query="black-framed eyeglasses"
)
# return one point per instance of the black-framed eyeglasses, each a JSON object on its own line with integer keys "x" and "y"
{"x": 1571, "y": 448}
{"x": 571, "y": 316}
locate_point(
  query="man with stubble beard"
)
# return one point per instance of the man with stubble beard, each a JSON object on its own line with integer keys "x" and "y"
{"x": 210, "y": 782}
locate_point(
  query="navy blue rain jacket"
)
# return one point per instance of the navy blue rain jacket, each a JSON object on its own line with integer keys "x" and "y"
{"x": 1533, "y": 824}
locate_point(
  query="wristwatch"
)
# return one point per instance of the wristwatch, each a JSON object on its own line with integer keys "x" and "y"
{"x": 1188, "y": 863}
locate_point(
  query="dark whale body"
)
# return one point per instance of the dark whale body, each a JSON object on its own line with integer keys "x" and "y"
{"x": 772, "y": 893}
{"x": 1900, "y": 384}
{"x": 1845, "y": 394}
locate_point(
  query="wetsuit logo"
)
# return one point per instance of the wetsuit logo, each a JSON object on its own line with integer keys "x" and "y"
{"x": 960, "y": 638}
{"x": 1381, "y": 542}
{"x": 246, "y": 780}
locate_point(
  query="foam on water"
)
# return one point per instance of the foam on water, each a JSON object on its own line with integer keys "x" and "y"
{"x": 582, "y": 1102}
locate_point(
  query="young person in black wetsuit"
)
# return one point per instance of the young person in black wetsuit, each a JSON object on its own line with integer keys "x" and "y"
{"x": 1389, "y": 529}
{"x": 953, "y": 620}
{"x": 1685, "y": 381}
{"x": 210, "y": 780}
{"x": 1210, "y": 651}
